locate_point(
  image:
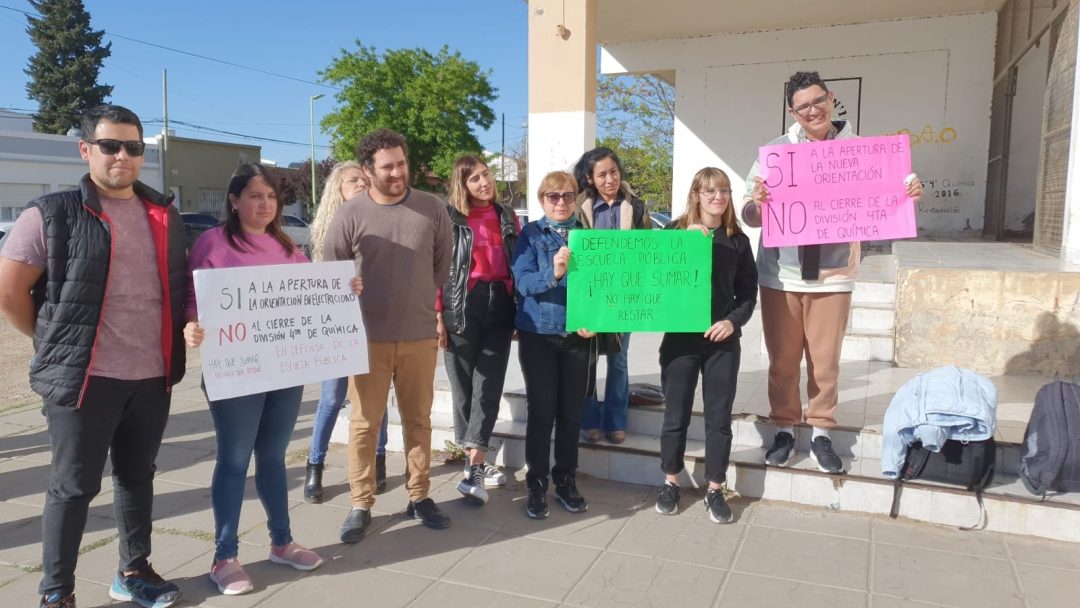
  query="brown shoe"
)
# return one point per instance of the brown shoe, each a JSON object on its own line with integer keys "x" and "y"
{"x": 616, "y": 437}
{"x": 592, "y": 435}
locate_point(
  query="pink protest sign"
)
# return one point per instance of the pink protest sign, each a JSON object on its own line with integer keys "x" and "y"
{"x": 837, "y": 191}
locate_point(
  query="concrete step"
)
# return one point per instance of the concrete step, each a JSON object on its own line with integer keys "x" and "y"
{"x": 872, "y": 317}
{"x": 868, "y": 345}
{"x": 874, "y": 292}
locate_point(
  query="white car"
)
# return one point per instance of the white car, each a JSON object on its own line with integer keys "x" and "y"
{"x": 5, "y": 227}
{"x": 298, "y": 231}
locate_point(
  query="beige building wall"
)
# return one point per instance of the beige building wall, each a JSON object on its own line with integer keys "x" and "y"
{"x": 990, "y": 321}
{"x": 199, "y": 171}
{"x": 562, "y": 87}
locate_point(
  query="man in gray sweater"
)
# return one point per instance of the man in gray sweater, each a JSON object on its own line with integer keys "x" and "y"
{"x": 400, "y": 240}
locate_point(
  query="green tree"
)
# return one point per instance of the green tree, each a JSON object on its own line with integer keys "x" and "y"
{"x": 64, "y": 70}
{"x": 636, "y": 118}
{"x": 432, "y": 100}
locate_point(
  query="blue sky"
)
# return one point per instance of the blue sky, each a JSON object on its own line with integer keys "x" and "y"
{"x": 291, "y": 38}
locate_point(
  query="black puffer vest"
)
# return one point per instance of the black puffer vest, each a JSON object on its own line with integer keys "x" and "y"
{"x": 68, "y": 297}
{"x": 456, "y": 288}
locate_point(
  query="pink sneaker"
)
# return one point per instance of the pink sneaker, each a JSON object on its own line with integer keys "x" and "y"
{"x": 230, "y": 577}
{"x": 296, "y": 556}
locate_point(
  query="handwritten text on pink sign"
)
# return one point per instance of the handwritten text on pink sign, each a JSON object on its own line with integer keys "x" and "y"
{"x": 837, "y": 191}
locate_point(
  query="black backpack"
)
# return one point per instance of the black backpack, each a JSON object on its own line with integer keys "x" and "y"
{"x": 1051, "y": 458}
{"x": 964, "y": 463}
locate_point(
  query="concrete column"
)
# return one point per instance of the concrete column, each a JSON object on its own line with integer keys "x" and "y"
{"x": 562, "y": 88}
{"x": 1070, "y": 231}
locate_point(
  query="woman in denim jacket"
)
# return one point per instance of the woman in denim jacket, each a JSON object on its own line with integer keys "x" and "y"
{"x": 555, "y": 364}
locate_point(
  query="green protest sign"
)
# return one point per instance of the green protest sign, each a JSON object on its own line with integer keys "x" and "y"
{"x": 638, "y": 280}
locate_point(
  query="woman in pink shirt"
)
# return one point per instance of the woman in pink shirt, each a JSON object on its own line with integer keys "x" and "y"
{"x": 259, "y": 424}
{"x": 476, "y": 316}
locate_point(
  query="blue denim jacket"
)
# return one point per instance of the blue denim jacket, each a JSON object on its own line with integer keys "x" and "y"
{"x": 933, "y": 407}
{"x": 541, "y": 307}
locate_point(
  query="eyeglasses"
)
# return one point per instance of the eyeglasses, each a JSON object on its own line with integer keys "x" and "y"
{"x": 713, "y": 192}
{"x": 819, "y": 103}
{"x": 111, "y": 147}
{"x": 554, "y": 197}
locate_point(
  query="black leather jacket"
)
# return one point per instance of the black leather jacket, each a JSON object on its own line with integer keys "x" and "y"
{"x": 456, "y": 288}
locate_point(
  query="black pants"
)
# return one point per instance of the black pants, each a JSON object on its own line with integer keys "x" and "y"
{"x": 682, "y": 358}
{"x": 126, "y": 418}
{"x": 476, "y": 362}
{"x": 556, "y": 370}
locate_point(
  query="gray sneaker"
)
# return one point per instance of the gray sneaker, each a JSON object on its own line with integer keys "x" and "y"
{"x": 821, "y": 451}
{"x": 493, "y": 477}
{"x": 783, "y": 447}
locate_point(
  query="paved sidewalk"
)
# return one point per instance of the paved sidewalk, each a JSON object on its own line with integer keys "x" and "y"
{"x": 619, "y": 553}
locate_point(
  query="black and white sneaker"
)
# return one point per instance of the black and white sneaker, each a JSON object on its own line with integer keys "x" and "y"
{"x": 821, "y": 451}
{"x": 493, "y": 477}
{"x": 536, "y": 507}
{"x": 566, "y": 492}
{"x": 472, "y": 486}
{"x": 667, "y": 502}
{"x": 783, "y": 447}
{"x": 719, "y": 511}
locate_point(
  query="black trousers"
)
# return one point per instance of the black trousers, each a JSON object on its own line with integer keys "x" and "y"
{"x": 119, "y": 417}
{"x": 682, "y": 358}
{"x": 556, "y": 370}
{"x": 476, "y": 362}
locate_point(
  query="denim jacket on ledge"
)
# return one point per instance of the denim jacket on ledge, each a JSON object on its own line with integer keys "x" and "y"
{"x": 541, "y": 307}
{"x": 933, "y": 407}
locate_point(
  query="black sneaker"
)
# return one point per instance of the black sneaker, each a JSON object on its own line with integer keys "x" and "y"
{"x": 55, "y": 600}
{"x": 667, "y": 503}
{"x": 356, "y": 523}
{"x": 779, "y": 455}
{"x": 428, "y": 513}
{"x": 822, "y": 452}
{"x": 145, "y": 588}
{"x": 536, "y": 507}
{"x": 719, "y": 511}
{"x": 567, "y": 494}
{"x": 380, "y": 473}
{"x": 472, "y": 486}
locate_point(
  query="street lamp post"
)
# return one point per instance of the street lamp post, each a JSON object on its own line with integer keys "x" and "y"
{"x": 311, "y": 107}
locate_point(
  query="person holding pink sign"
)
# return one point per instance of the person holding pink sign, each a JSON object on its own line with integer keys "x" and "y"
{"x": 262, "y": 423}
{"x": 805, "y": 293}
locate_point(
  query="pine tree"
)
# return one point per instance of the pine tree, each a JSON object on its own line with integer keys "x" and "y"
{"x": 64, "y": 71}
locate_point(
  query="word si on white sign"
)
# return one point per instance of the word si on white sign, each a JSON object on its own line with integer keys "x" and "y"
{"x": 273, "y": 327}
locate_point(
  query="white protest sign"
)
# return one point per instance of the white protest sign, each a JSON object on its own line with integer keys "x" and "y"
{"x": 272, "y": 327}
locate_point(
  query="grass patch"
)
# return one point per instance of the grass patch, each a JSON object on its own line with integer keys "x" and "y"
{"x": 195, "y": 534}
{"x": 297, "y": 457}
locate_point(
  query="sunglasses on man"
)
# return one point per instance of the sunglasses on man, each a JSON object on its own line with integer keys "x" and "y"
{"x": 111, "y": 147}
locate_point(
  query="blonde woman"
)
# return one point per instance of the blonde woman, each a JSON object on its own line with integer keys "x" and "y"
{"x": 345, "y": 182}
{"x": 713, "y": 355}
{"x": 476, "y": 316}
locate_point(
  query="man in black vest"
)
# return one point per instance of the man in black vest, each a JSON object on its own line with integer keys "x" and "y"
{"x": 96, "y": 275}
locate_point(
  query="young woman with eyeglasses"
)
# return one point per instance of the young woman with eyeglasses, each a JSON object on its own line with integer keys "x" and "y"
{"x": 714, "y": 354}
{"x": 556, "y": 364}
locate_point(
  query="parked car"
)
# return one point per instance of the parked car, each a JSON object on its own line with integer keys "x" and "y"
{"x": 299, "y": 231}
{"x": 659, "y": 220}
{"x": 196, "y": 224}
{"x": 5, "y": 227}
{"x": 523, "y": 216}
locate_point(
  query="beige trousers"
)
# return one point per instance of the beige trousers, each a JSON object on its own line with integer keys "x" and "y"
{"x": 411, "y": 367}
{"x": 804, "y": 323}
